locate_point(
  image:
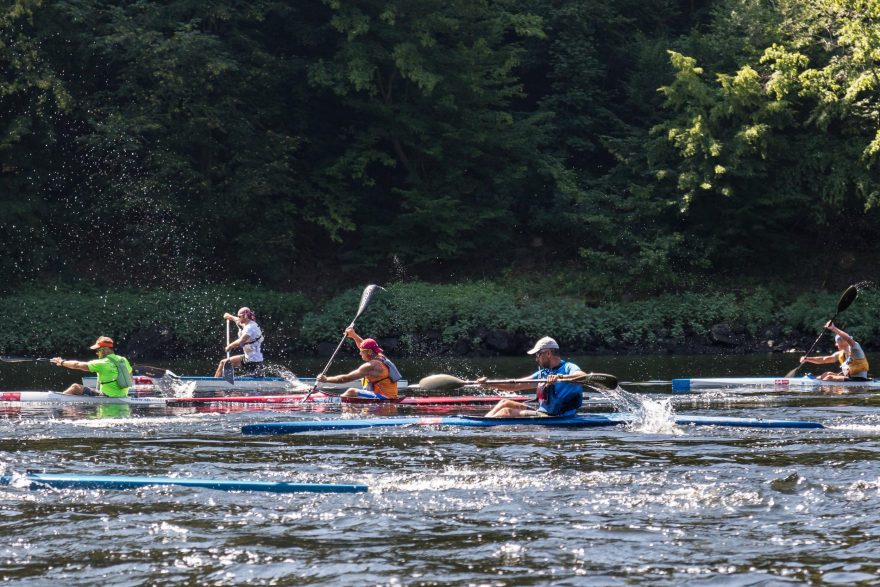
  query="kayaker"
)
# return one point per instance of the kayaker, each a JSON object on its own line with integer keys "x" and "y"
{"x": 378, "y": 375}
{"x": 555, "y": 397}
{"x": 852, "y": 359}
{"x": 113, "y": 371}
{"x": 250, "y": 337}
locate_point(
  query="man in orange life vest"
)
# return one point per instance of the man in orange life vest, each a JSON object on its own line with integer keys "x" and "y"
{"x": 378, "y": 375}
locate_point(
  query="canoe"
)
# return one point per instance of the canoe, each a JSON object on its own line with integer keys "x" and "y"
{"x": 579, "y": 421}
{"x": 801, "y": 383}
{"x": 51, "y": 397}
{"x": 146, "y": 384}
{"x": 73, "y": 481}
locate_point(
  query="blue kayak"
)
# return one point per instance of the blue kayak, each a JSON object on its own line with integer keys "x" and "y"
{"x": 579, "y": 421}
{"x": 68, "y": 480}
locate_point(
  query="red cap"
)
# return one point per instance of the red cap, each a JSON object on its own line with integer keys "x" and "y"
{"x": 371, "y": 344}
{"x": 103, "y": 341}
{"x": 247, "y": 312}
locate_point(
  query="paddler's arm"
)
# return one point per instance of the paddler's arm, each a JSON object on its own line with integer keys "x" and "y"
{"x": 241, "y": 340}
{"x": 566, "y": 377}
{"x": 843, "y": 335}
{"x": 820, "y": 360}
{"x": 520, "y": 385}
{"x": 350, "y": 333}
{"x": 81, "y": 365}
{"x": 363, "y": 371}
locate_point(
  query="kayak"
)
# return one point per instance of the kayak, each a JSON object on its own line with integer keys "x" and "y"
{"x": 805, "y": 382}
{"x": 169, "y": 381}
{"x": 73, "y": 481}
{"x": 319, "y": 398}
{"x": 579, "y": 421}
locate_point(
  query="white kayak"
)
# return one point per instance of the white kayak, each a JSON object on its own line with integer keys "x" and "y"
{"x": 777, "y": 383}
{"x": 196, "y": 384}
{"x": 55, "y": 397}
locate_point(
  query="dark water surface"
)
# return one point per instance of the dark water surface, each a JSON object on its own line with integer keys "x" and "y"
{"x": 650, "y": 505}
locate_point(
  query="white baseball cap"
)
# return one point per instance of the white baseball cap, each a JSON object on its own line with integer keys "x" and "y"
{"x": 544, "y": 344}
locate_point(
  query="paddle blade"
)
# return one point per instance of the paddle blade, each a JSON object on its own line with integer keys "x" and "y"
{"x": 18, "y": 359}
{"x": 441, "y": 382}
{"x": 600, "y": 380}
{"x": 149, "y": 370}
{"x": 369, "y": 292}
{"x": 848, "y": 297}
{"x": 792, "y": 372}
{"x": 229, "y": 374}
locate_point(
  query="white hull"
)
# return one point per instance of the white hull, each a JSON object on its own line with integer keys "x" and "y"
{"x": 196, "y": 384}
{"x": 801, "y": 383}
{"x": 55, "y": 397}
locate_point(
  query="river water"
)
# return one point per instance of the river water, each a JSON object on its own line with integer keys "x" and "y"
{"x": 651, "y": 504}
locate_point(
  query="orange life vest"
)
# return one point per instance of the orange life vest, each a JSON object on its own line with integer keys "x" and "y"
{"x": 383, "y": 383}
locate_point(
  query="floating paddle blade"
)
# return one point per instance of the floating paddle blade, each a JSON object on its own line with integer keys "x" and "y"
{"x": 229, "y": 374}
{"x": 441, "y": 381}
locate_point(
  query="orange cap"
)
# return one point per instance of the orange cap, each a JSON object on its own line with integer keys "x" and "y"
{"x": 103, "y": 341}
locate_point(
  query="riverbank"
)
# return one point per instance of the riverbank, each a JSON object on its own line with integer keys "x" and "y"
{"x": 420, "y": 319}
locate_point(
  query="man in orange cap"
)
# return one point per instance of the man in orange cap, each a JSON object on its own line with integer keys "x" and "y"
{"x": 113, "y": 371}
{"x": 378, "y": 375}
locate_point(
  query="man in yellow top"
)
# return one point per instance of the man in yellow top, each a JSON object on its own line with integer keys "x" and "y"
{"x": 113, "y": 371}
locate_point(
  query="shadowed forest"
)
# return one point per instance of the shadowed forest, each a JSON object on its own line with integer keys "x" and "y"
{"x": 599, "y": 150}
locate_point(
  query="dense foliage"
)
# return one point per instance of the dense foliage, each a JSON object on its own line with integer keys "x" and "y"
{"x": 636, "y": 145}
{"x": 422, "y": 319}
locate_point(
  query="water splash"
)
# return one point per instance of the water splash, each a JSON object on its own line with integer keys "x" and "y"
{"x": 649, "y": 416}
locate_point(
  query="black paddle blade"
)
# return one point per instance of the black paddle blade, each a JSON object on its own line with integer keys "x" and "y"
{"x": 149, "y": 371}
{"x": 600, "y": 380}
{"x": 848, "y": 297}
{"x": 369, "y": 292}
{"x": 229, "y": 373}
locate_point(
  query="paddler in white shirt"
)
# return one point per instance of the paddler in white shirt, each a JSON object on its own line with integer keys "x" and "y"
{"x": 852, "y": 359}
{"x": 249, "y": 339}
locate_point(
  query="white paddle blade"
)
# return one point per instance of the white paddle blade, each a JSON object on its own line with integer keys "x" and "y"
{"x": 366, "y": 297}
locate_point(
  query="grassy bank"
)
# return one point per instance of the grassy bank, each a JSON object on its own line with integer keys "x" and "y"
{"x": 419, "y": 318}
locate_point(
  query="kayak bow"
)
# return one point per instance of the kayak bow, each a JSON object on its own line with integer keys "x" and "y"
{"x": 74, "y": 481}
{"x": 801, "y": 383}
{"x": 579, "y": 421}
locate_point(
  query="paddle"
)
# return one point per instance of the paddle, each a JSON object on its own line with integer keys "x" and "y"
{"x": 22, "y": 360}
{"x": 846, "y": 299}
{"x": 147, "y": 370}
{"x": 446, "y": 382}
{"x": 368, "y": 294}
{"x": 150, "y": 371}
{"x": 228, "y": 369}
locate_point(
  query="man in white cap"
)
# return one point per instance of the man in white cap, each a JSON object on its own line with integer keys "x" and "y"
{"x": 852, "y": 359}
{"x": 555, "y": 397}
